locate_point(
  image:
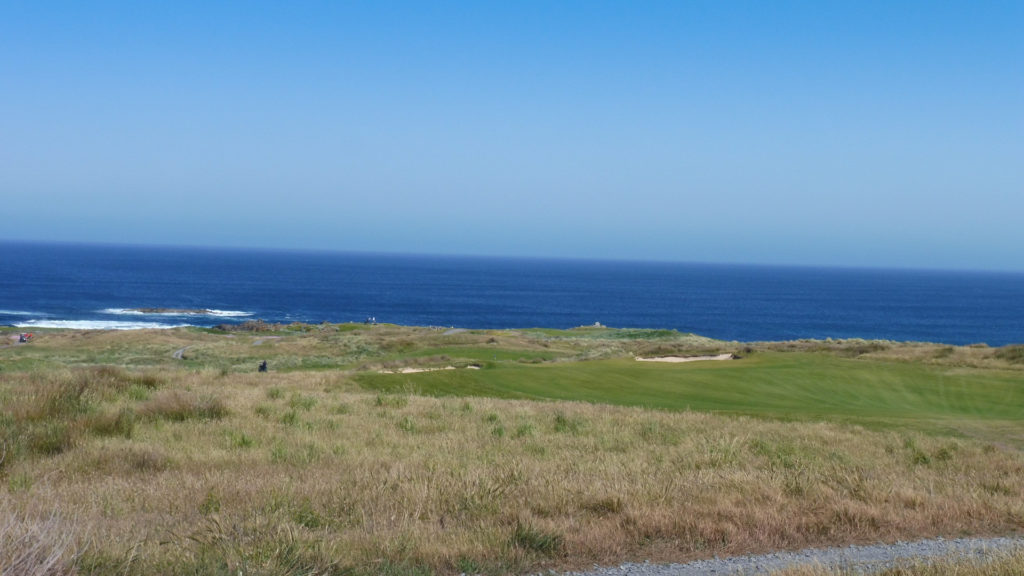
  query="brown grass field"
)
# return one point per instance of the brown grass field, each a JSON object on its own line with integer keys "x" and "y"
{"x": 119, "y": 459}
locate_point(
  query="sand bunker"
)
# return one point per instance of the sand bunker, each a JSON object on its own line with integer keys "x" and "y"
{"x": 685, "y": 358}
{"x": 417, "y": 370}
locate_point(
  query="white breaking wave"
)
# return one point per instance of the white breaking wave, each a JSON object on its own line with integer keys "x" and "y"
{"x": 228, "y": 313}
{"x": 21, "y": 313}
{"x": 215, "y": 313}
{"x": 96, "y": 325}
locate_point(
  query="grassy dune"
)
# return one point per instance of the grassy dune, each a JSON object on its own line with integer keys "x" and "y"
{"x": 559, "y": 451}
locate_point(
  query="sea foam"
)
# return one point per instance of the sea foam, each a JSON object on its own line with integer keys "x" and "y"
{"x": 228, "y": 313}
{"x": 120, "y": 311}
{"x": 96, "y": 325}
{"x": 208, "y": 312}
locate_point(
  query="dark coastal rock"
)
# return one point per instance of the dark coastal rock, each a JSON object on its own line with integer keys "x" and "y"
{"x": 250, "y": 326}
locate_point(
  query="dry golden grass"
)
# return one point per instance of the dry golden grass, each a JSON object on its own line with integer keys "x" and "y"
{"x": 305, "y": 473}
{"x": 36, "y": 545}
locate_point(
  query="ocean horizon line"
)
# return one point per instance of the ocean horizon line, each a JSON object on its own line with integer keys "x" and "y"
{"x": 504, "y": 257}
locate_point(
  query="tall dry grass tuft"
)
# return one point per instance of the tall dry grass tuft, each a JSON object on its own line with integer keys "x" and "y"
{"x": 215, "y": 547}
{"x": 119, "y": 422}
{"x": 36, "y": 545}
{"x": 181, "y": 405}
{"x": 62, "y": 394}
{"x": 48, "y": 397}
{"x": 47, "y": 413}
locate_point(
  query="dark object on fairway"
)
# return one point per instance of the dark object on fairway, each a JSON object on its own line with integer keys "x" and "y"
{"x": 263, "y": 366}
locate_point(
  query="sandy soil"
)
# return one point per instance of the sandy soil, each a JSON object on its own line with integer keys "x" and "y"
{"x": 685, "y": 358}
{"x": 416, "y": 370}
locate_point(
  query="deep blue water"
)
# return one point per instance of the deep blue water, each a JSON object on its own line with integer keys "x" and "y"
{"x": 91, "y": 286}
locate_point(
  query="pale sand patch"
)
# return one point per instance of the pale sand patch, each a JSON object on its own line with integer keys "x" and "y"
{"x": 685, "y": 358}
{"x": 416, "y": 370}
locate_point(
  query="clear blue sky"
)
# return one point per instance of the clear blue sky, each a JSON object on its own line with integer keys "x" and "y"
{"x": 856, "y": 133}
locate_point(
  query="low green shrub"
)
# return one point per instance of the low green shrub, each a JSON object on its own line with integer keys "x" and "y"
{"x": 1014, "y": 353}
{"x": 50, "y": 438}
{"x": 391, "y": 401}
{"x": 300, "y": 402}
{"x": 568, "y": 424}
{"x": 527, "y": 537}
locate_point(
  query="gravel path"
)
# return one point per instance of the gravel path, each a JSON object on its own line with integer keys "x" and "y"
{"x": 863, "y": 559}
{"x": 179, "y": 354}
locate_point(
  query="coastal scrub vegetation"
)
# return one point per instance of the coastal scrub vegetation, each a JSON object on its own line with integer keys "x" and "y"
{"x": 557, "y": 450}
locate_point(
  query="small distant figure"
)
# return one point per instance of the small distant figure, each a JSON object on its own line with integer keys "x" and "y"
{"x": 370, "y": 320}
{"x": 263, "y": 366}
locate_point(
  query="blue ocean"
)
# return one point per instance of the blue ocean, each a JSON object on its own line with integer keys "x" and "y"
{"x": 102, "y": 287}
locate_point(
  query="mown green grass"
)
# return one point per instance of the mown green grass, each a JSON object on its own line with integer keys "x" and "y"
{"x": 801, "y": 386}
